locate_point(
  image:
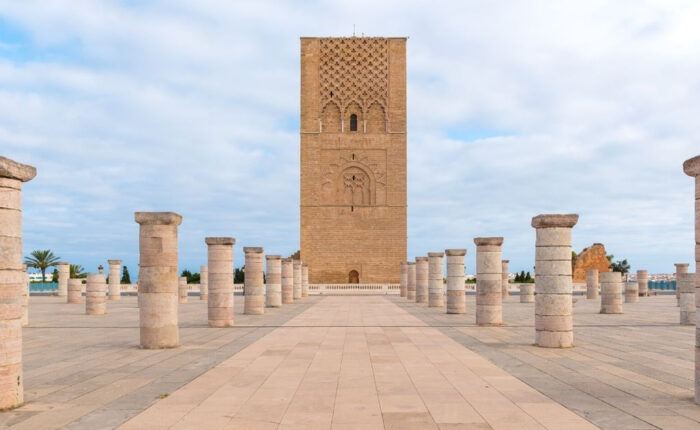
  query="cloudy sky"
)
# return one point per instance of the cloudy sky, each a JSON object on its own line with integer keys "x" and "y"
{"x": 515, "y": 109}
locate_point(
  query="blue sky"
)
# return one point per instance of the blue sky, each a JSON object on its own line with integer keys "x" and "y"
{"x": 515, "y": 109}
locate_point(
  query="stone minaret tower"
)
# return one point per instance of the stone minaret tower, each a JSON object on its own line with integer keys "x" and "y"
{"x": 353, "y": 158}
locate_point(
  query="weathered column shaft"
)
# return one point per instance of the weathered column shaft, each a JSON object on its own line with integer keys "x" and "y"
{"x": 220, "y": 263}
{"x": 643, "y": 282}
{"x": 203, "y": 282}
{"x": 691, "y": 167}
{"x": 489, "y": 280}
{"x": 592, "y": 283}
{"x": 273, "y": 281}
{"x": 456, "y": 299}
{"x": 686, "y": 285}
{"x": 182, "y": 289}
{"x": 63, "y": 275}
{"x": 304, "y": 280}
{"x": 504, "y": 279}
{"x": 421, "y": 279}
{"x": 631, "y": 290}
{"x": 75, "y": 290}
{"x": 13, "y": 280}
{"x": 297, "y": 279}
{"x": 527, "y": 293}
{"x": 287, "y": 280}
{"x": 115, "y": 288}
{"x": 553, "y": 283}
{"x": 158, "y": 283}
{"x": 436, "y": 294}
{"x": 254, "y": 296}
{"x": 403, "y": 278}
{"x": 96, "y": 294}
{"x": 411, "y": 285}
{"x": 611, "y": 293}
{"x": 680, "y": 268}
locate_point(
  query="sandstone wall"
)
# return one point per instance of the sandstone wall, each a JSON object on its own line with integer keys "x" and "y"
{"x": 593, "y": 257}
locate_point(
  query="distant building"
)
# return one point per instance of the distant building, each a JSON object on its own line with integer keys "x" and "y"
{"x": 36, "y": 277}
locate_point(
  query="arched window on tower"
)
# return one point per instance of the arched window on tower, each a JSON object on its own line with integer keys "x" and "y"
{"x": 353, "y": 122}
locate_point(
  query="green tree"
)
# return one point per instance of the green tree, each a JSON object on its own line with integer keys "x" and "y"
{"x": 621, "y": 266}
{"x": 42, "y": 260}
{"x": 126, "y": 279}
{"x": 239, "y": 275}
{"x": 77, "y": 271}
{"x": 528, "y": 278}
{"x": 192, "y": 278}
{"x": 54, "y": 275}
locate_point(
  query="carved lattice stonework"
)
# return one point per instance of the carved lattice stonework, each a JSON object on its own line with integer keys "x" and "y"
{"x": 354, "y": 69}
{"x": 354, "y": 178}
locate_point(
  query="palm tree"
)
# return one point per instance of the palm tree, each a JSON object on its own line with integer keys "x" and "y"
{"x": 42, "y": 260}
{"x": 77, "y": 271}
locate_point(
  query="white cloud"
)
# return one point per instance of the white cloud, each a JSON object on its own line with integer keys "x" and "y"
{"x": 589, "y": 107}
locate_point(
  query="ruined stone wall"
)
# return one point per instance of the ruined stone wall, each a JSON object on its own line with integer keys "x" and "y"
{"x": 593, "y": 257}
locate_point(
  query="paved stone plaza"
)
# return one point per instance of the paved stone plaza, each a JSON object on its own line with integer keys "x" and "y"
{"x": 357, "y": 362}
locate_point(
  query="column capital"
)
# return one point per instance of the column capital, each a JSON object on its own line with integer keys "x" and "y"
{"x": 14, "y": 170}
{"x": 421, "y": 259}
{"x": 554, "y": 220}
{"x": 456, "y": 252}
{"x": 273, "y": 257}
{"x": 436, "y": 254}
{"x": 253, "y": 249}
{"x": 220, "y": 241}
{"x": 691, "y": 167}
{"x": 63, "y": 263}
{"x": 488, "y": 241}
{"x": 114, "y": 262}
{"x": 157, "y": 218}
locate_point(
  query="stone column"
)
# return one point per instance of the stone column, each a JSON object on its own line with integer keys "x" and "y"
{"x": 553, "y": 283}
{"x": 304, "y": 280}
{"x": 273, "y": 281}
{"x": 115, "y": 288}
{"x": 436, "y": 294}
{"x": 421, "y": 279}
{"x": 592, "y": 283}
{"x": 182, "y": 289}
{"x": 489, "y": 308}
{"x": 220, "y": 301}
{"x": 297, "y": 279}
{"x": 631, "y": 291}
{"x": 691, "y": 167}
{"x": 680, "y": 268}
{"x": 25, "y": 297}
{"x": 504, "y": 277}
{"x": 611, "y": 293}
{"x": 456, "y": 299}
{"x": 96, "y": 294}
{"x": 158, "y": 293}
{"x": 203, "y": 282}
{"x": 411, "y": 284}
{"x": 686, "y": 285}
{"x": 12, "y": 280}
{"x": 527, "y": 293}
{"x": 254, "y": 287}
{"x": 63, "y": 275}
{"x": 287, "y": 281}
{"x": 403, "y": 278}
{"x": 75, "y": 290}
{"x": 643, "y": 282}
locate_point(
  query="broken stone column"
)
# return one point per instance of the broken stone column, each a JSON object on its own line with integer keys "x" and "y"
{"x": 297, "y": 279}
{"x": 632, "y": 291}
{"x": 220, "y": 263}
{"x": 203, "y": 282}
{"x": 115, "y": 288}
{"x": 253, "y": 285}
{"x": 436, "y": 295}
{"x": 592, "y": 283}
{"x": 96, "y": 294}
{"x": 691, "y": 167}
{"x": 643, "y": 282}
{"x": 421, "y": 279}
{"x": 504, "y": 277}
{"x": 63, "y": 276}
{"x": 686, "y": 285}
{"x": 304, "y": 280}
{"x": 553, "y": 283}
{"x": 411, "y": 285}
{"x": 527, "y": 293}
{"x": 273, "y": 281}
{"x": 75, "y": 290}
{"x": 12, "y": 280}
{"x": 611, "y": 293}
{"x": 403, "y": 278}
{"x": 182, "y": 290}
{"x": 489, "y": 280}
{"x": 680, "y": 268}
{"x": 287, "y": 281}
{"x": 456, "y": 299}
{"x": 158, "y": 283}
